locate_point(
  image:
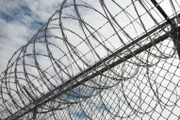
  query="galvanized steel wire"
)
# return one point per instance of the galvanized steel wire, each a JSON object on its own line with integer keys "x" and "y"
{"x": 82, "y": 39}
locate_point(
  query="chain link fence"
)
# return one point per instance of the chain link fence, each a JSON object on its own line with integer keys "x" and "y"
{"x": 98, "y": 60}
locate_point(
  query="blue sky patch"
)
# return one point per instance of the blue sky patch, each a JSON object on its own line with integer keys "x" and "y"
{"x": 80, "y": 115}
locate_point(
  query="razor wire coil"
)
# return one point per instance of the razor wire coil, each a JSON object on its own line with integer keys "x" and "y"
{"x": 73, "y": 44}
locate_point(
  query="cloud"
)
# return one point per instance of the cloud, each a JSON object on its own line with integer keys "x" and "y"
{"x": 19, "y": 21}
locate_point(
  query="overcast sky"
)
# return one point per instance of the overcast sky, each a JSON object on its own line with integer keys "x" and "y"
{"x": 19, "y": 21}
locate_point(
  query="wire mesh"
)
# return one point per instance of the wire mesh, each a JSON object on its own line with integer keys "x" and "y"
{"x": 97, "y": 60}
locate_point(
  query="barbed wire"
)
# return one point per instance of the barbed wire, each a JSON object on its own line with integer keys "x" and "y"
{"x": 76, "y": 67}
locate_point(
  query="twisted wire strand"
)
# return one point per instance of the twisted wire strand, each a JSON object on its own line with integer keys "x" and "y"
{"x": 71, "y": 42}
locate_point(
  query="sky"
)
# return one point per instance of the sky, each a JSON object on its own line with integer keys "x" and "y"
{"x": 19, "y": 21}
